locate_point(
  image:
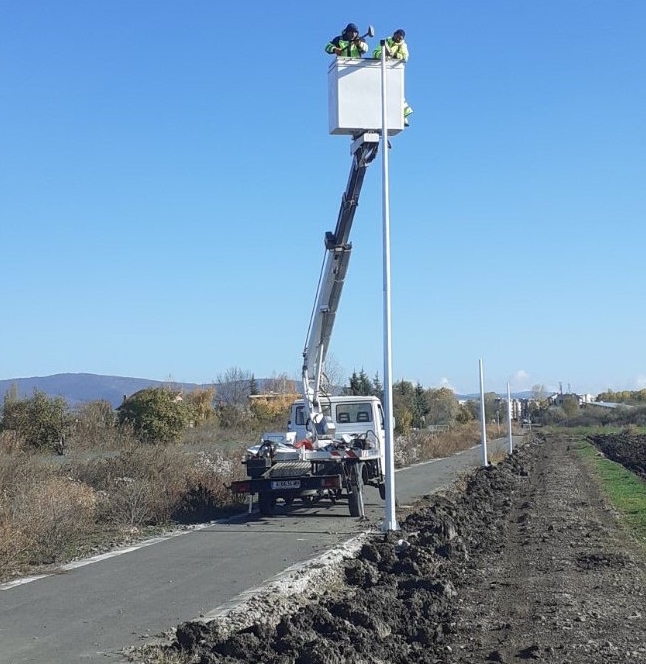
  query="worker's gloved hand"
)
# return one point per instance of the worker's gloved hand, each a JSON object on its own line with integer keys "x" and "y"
{"x": 338, "y": 51}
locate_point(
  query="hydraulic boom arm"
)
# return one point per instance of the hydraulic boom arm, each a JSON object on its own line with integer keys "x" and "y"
{"x": 338, "y": 249}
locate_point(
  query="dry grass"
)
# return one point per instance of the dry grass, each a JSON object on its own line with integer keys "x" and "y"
{"x": 50, "y": 512}
{"x": 423, "y": 445}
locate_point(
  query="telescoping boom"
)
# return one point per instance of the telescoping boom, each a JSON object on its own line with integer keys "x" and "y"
{"x": 338, "y": 249}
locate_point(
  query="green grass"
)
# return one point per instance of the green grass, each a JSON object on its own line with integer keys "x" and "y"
{"x": 625, "y": 490}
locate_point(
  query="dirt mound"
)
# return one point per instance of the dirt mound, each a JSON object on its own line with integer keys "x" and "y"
{"x": 628, "y": 449}
{"x": 523, "y": 562}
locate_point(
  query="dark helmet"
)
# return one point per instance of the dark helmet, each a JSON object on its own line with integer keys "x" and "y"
{"x": 399, "y": 31}
{"x": 351, "y": 27}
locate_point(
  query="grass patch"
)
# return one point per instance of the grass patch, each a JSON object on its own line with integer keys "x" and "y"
{"x": 625, "y": 490}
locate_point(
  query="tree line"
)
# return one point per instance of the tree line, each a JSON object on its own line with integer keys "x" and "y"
{"x": 163, "y": 414}
{"x": 625, "y": 396}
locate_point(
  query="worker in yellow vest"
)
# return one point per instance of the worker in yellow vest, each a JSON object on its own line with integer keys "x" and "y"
{"x": 397, "y": 48}
{"x": 348, "y": 44}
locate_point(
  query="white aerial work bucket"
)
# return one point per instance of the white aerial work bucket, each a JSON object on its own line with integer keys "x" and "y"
{"x": 354, "y": 95}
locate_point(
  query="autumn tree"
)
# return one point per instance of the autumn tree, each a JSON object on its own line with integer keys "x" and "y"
{"x": 199, "y": 403}
{"x": 404, "y": 405}
{"x": 464, "y": 414}
{"x": 442, "y": 406}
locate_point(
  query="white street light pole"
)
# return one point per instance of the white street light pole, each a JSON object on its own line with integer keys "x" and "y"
{"x": 511, "y": 439}
{"x": 390, "y": 519}
{"x": 483, "y": 421}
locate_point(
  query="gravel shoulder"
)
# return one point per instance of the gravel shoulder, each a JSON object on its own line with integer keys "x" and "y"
{"x": 519, "y": 561}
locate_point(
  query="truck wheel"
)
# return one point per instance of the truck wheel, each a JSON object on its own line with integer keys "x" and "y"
{"x": 266, "y": 504}
{"x": 355, "y": 496}
{"x": 382, "y": 491}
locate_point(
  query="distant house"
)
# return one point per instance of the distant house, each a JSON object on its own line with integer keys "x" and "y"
{"x": 557, "y": 398}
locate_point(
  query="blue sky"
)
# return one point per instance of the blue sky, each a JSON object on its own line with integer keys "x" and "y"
{"x": 167, "y": 179}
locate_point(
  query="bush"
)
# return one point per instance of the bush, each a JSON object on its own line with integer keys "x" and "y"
{"x": 157, "y": 415}
{"x": 93, "y": 426}
{"x": 42, "y": 514}
{"x": 40, "y": 421}
{"x": 55, "y": 515}
{"x": 152, "y": 485}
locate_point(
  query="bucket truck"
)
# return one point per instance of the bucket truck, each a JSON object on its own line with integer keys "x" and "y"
{"x": 334, "y": 445}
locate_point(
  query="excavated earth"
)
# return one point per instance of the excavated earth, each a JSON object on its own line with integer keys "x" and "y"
{"x": 520, "y": 561}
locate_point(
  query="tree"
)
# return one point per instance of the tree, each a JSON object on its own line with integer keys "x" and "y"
{"x": 253, "y": 386}
{"x": 378, "y": 387}
{"x": 442, "y": 406}
{"x": 280, "y": 384}
{"x": 570, "y": 405}
{"x": 199, "y": 403}
{"x": 464, "y": 413}
{"x": 360, "y": 385}
{"x": 41, "y": 421}
{"x": 332, "y": 378}
{"x": 404, "y": 405}
{"x": 234, "y": 386}
{"x": 539, "y": 393}
{"x": 156, "y": 414}
{"x": 491, "y": 400}
{"x": 472, "y": 410}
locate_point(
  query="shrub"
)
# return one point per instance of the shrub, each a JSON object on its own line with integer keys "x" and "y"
{"x": 42, "y": 514}
{"x": 157, "y": 415}
{"x": 54, "y": 515}
{"x": 40, "y": 421}
{"x": 93, "y": 425}
{"x": 153, "y": 484}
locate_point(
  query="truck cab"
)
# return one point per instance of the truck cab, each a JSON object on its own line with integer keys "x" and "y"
{"x": 346, "y": 416}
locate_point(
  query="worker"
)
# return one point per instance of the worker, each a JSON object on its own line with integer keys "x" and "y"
{"x": 348, "y": 44}
{"x": 396, "y": 48}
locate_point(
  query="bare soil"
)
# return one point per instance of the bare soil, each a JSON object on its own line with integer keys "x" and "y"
{"x": 523, "y": 561}
{"x": 628, "y": 449}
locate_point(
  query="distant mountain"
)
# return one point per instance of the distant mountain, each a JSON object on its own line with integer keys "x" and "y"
{"x": 77, "y": 388}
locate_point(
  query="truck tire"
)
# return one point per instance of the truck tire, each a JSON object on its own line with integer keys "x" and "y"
{"x": 266, "y": 504}
{"x": 382, "y": 491}
{"x": 355, "y": 495}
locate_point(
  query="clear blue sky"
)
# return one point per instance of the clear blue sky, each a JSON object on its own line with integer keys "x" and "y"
{"x": 167, "y": 179}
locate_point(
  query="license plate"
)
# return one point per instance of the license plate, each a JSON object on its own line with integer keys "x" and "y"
{"x": 286, "y": 484}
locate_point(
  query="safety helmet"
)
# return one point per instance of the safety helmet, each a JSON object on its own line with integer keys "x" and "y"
{"x": 351, "y": 27}
{"x": 399, "y": 31}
